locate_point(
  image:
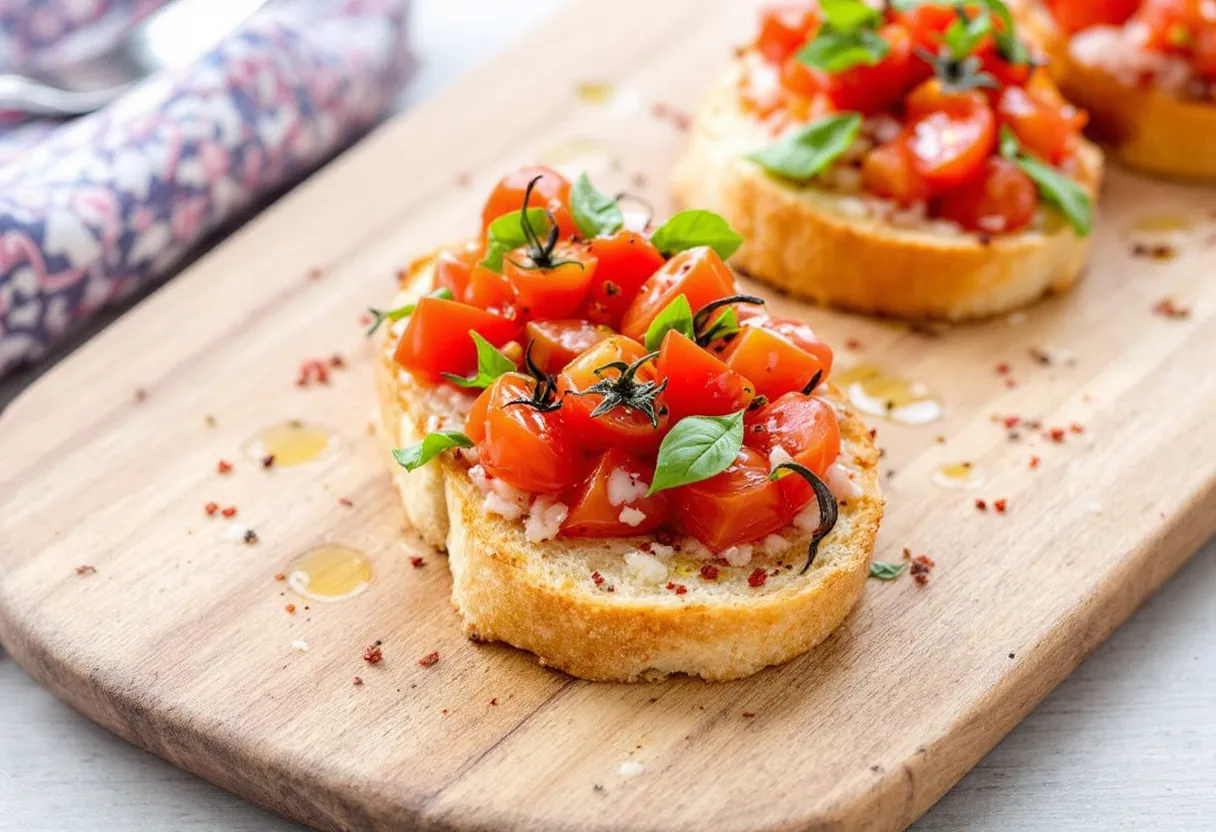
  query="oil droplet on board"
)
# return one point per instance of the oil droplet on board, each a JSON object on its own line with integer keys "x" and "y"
{"x": 960, "y": 475}
{"x": 1162, "y": 223}
{"x": 290, "y": 443}
{"x": 577, "y": 153}
{"x": 330, "y": 572}
{"x": 876, "y": 392}
{"x": 595, "y": 92}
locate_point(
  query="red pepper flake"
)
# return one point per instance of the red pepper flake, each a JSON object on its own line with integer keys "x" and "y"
{"x": 1056, "y": 434}
{"x": 1034, "y": 462}
{"x": 749, "y": 714}
{"x": 312, "y": 370}
{"x": 365, "y": 320}
{"x": 1077, "y": 427}
{"x": 417, "y": 562}
{"x": 1002, "y": 369}
{"x": 494, "y": 701}
{"x": 374, "y": 654}
{"x": 678, "y": 589}
{"x": 85, "y": 569}
{"x": 1010, "y": 383}
{"x": 211, "y": 509}
{"x": 1011, "y": 422}
{"x": 279, "y": 576}
{"x": 852, "y": 344}
{"x": 358, "y": 681}
{"x": 345, "y": 501}
{"x": 597, "y": 578}
{"x": 921, "y": 567}
{"x": 981, "y": 504}
{"x": 315, "y": 273}
{"x": 1000, "y": 505}
{"x": 907, "y": 553}
{"x": 291, "y": 609}
{"x": 463, "y": 179}
{"x": 429, "y": 659}
{"x": 141, "y": 394}
{"x": 224, "y": 466}
{"x": 337, "y": 361}
{"x": 1169, "y": 308}
{"x": 268, "y": 461}
{"x": 757, "y": 578}
{"x": 709, "y": 572}
{"x": 229, "y": 511}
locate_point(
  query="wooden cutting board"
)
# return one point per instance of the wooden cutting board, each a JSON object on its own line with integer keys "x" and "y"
{"x": 181, "y": 640}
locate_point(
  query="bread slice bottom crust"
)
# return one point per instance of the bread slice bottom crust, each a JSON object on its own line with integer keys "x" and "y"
{"x": 542, "y": 597}
{"x": 802, "y": 239}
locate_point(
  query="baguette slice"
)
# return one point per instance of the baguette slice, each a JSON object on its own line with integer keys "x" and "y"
{"x": 815, "y": 244}
{"x": 542, "y": 597}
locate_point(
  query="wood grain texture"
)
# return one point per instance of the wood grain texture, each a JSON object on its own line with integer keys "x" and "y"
{"x": 180, "y": 642}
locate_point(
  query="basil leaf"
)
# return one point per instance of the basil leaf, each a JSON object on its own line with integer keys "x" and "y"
{"x": 379, "y": 316}
{"x": 490, "y": 365}
{"x": 1008, "y": 44}
{"x": 697, "y": 448}
{"x": 676, "y": 315}
{"x": 834, "y": 51}
{"x": 431, "y": 446}
{"x": 807, "y": 151}
{"x": 506, "y": 233}
{"x": 964, "y": 34}
{"x": 726, "y": 324}
{"x": 884, "y": 571}
{"x": 689, "y": 229}
{"x": 849, "y": 15}
{"x": 1009, "y": 143}
{"x": 1060, "y": 191}
{"x": 595, "y": 213}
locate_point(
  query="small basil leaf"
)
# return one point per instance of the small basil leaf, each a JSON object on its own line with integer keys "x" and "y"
{"x": 379, "y": 316}
{"x": 1060, "y": 191}
{"x": 726, "y": 324}
{"x": 963, "y": 35}
{"x": 676, "y": 315}
{"x": 490, "y": 365}
{"x": 807, "y": 151}
{"x": 689, "y": 229}
{"x": 595, "y": 213}
{"x": 834, "y": 51}
{"x": 1009, "y": 143}
{"x": 697, "y": 448}
{"x": 884, "y": 571}
{"x": 433, "y": 444}
{"x": 1008, "y": 44}
{"x": 849, "y": 15}
{"x": 506, "y": 233}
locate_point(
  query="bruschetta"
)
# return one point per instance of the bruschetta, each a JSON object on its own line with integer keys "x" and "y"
{"x": 1145, "y": 71}
{"x": 912, "y": 161}
{"x": 635, "y": 469}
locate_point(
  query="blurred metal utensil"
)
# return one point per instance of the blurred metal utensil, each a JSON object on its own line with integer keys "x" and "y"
{"x": 173, "y": 36}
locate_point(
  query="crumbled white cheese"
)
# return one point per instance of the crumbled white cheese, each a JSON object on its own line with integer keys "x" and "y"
{"x": 630, "y": 768}
{"x": 646, "y": 568}
{"x": 841, "y": 483}
{"x": 632, "y": 517}
{"x": 509, "y": 509}
{"x": 740, "y": 555}
{"x": 778, "y": 456}
{"x": 774, "y": 544}
{"x": 235, "y": 533}
{"x": 501, "y": 498}
{"x": 808, "y": 518}
{"x": 625, "y": 487}
{"x": 662, "y": 551}
{"x": 545, "y": 519}
{"x": 299, "y": 645}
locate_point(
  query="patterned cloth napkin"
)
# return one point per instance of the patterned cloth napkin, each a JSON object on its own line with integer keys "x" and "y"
{"x": 94, "y": 208}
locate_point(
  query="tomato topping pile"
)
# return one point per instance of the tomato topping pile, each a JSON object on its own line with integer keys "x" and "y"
{"x": 944, "y": 94}
{"x": 587, "y": 346}
{"x": 1182, "y": 28}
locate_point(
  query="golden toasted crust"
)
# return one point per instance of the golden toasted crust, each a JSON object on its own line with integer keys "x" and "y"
{"x": 542, "y": 597}
{"x": 812, "y": 243}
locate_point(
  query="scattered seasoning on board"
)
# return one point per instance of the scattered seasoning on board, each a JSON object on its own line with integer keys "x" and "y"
{"x": 1077, "y": 427}
{"x": 430, "y": 659}
{"x": 209, "y": 420}
{"x": 417, "y": 562}
{"x": 852, "y": 344}
{"x": 1034, "y": 462}
{"x": 223, "y": 466}
{"x": 229, "y": 511}
{"x": 346, "y": 501}
{"x": 279, "y": 576}
{"x": 1154, "y": 251}
{"x": 749, "y": 714}
{"x": 337, "y": 361}
{"x": 211, "y": 509}
{"x": 268, "y": 461}
{"x": 312, "y": 370}
{"x": 1040, "y": 355}
{"x": 365, "y": 320}
{"x": 981, "y": 504}
{"x": 358, "y": 681}
{"x": 374, "y": 653}
{"x": 140, "y": 394}
{"x": 1169, "y": 308}
{"x": 922, "y": 565}
{"x": 315, "y": 273}
{"x": 709, "y": 572}
{"x": 494, "y": 702}
{"x": 1056, "y": 434}
{"x": 463, "y": 178}
{"x": 757, "y": 578}
{"x": 85, "y": 569}
{"x": 1000, "y": 505}
{"x": 251, "y": 537}
{"x": 291, "y": 609}
{"x": 1003, "y": 368}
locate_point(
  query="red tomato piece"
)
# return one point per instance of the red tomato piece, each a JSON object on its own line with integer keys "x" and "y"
{"x": 805, "y": 427}
{"x": 1002, "y": 199}
{"x": 524, "y": 447}
{"x": 490, "y": 290}
{"x": 1203, "y": 53}
{"x": 771, "y": 362}
{"x": 616, "y": 488}
{"x": 556, "y": 343}
{"x": 868, "y": 89}
{"x": 552, "y": 192}
{"x": 452, "y": 268}
{"x": 436, "y": 339}
{"x": 926, "y": 23}
{"x": 739, "y": 505}
{"x": 1075, "y": 15}
{"x": 950, "y": 134}
{"x": 888, "y": 171}
{"x": 627, "y": 259}
{"x": 1046, "y": 125}
{"x": 783, "y": 29}
{"x": 621, "y": 427}
{"x": 698, "y": 383}
{"x": 697, "y": 273}
{"x": 548, "y": 293}
{"x": 803, "y": 337}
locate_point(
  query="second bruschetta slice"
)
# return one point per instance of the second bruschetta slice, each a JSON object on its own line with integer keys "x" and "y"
{"x": 911, "y": 161}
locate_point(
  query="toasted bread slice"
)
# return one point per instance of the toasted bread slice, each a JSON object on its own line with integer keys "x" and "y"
{"x": 581, "y": 607}
{"x": 816, "y": 243}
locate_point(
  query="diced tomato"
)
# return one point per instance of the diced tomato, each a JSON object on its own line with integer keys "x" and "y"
{"x": 548, "y": 293}
{"x": 951, "y": 133}
{"x": 627, "y": 259}
{"x": 697, "y": 273}
{"x": 888, "y": 171}
{"x": 1075, "y": 15}
{"x": 552, "y": 192}
{"x": 1203, "y": 53}
{"x": 452, "y": 268}
{"x": 436, "y": 339}
{"x": 1002, "y": 199}
{"x": 604, "y": 497}
{"x": 864, "y": 88}
{"x": 771, "y": 362}
{"x": 1046, "y": 125}
{"x": 490, "y": 290}
{"x": 926, "y": 23}
{"x": 524, "y": 447}
{"x": 803, "y": 337}
{"x": 621, "y": 427}
{"x": 556, "y": 343}
{"x": 784, "y": 28}
{"x": 805, "y": 427}
{"x": 736, "y": 506}
{"x": 698, "y": 383}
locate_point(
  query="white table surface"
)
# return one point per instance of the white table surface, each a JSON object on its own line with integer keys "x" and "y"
{"x": 1128, "y": 742}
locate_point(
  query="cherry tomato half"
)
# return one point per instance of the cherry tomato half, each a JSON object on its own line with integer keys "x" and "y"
{"x": 697, "y": 273}
{"x": 622, "y": 427}
{"x": 452, "y": 268}
{"x": 615, "y": 489}
{"x": 737, "y": 505}
{"x": 951, "y": 133}
{"x": 556, "y": 343}
{"x": 627, "y": 259}
{"x": 771, "y": 362}
{"x": 552, "y": 292}
{"x": 1000, "y": 200}
{"x": 436, "y": 339}
{"x": 888, "y": 171}
{"x": 784, "y": 28}
{"x": 1045, "y": 124}
{"x": 805, "y": 427}
{"x": 698, "y": 383}
{"x": 552, "y": 192}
